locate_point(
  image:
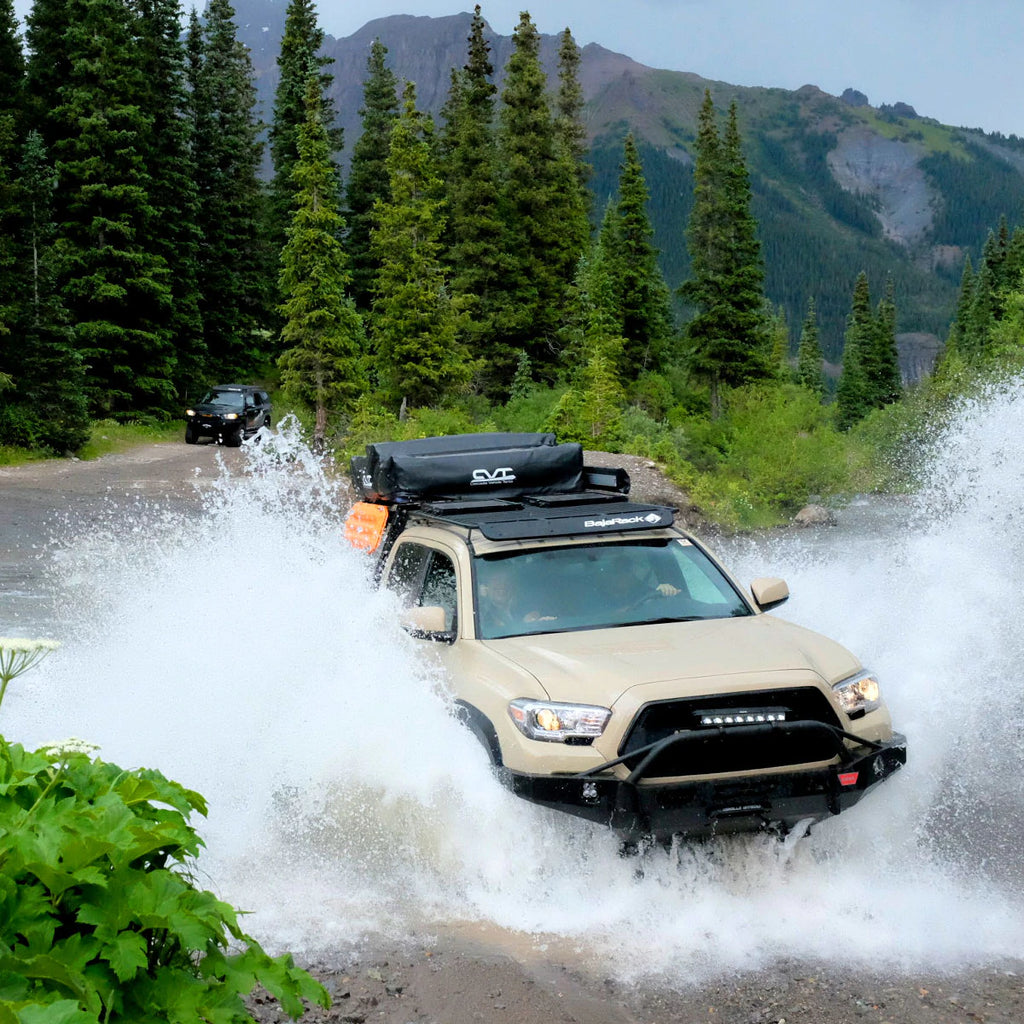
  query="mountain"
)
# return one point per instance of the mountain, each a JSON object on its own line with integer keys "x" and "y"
{"x": 839, "y": 186}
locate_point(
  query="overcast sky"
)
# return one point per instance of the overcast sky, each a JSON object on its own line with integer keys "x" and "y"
{"x": 957, "y": 61}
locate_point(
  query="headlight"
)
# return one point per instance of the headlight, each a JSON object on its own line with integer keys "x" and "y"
{"x": 859, "y": 694}
{"x": 556, "y": 723}
{"x": 190, "y": 412}
{"x": 231, "y": 416}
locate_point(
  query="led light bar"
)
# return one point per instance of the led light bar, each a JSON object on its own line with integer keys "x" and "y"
{"x": 742, "y": 717}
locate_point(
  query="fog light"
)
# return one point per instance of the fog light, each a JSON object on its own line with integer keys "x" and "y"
{"x": 590, "y": 792}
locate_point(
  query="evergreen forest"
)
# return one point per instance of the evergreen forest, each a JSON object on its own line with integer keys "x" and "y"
{"x": 454, "y": 273}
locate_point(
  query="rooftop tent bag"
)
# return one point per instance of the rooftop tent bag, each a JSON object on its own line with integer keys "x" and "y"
{"x": 497, "y": 465}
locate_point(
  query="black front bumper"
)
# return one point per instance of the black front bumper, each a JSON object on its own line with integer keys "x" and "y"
{"x": 636, "y": 809}
{"x": 215, "y": 427}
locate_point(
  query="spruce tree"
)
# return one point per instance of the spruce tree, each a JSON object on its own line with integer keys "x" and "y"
{"x": 48, "y": 67}
{"x": 45, "y": 406}
{"x": 590, "y": 411}
{"x": 12, "y": 82}
{"x": 574, "y": 172}
{"x": 174, "y": 230}
{"x": 854, "y": 397}
{"x": 234, "y": 265}
{"x": 415, "y": 327}
{"x": 985, "y": 311}
{"x": 809, "y": 358}
{"x": 323, "y": 362}
{"x": 960, "y": 339}
{"x": 778, "y": 341}
{"x": 299, "y": 57}
{"x": 367, "y": 177}
{"x": 886, "y": 382}
{"x": 535, "y": 203}
{"x": 475, "y": 226}
{"x": 726, "y": 337}
{"x": 569, "y": 104}
{"x": 645, "y": 317}
{"x": 12, "y": 68}
{"x": 115, "y": 282}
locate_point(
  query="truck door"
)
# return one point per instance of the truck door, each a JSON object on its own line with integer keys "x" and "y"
{"x": 423, "y": 576}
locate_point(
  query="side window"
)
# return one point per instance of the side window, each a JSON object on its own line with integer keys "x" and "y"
{"x": 406, "y": 576}
{"x": 440, "y": 588}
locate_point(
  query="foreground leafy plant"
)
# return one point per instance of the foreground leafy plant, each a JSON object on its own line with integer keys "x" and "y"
{"x": 100, "y": 919}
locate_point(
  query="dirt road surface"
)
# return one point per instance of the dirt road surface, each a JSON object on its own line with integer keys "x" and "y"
{"x": 456, "y": 983}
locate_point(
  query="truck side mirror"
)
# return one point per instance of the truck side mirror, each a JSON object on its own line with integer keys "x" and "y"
{"x": 769, "y": 592}
{"x": 427, "y": 622}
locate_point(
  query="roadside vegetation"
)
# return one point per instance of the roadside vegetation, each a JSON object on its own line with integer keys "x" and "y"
{"x": 101, "y": 918}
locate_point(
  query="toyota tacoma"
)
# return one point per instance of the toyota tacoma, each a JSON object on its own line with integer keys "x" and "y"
{"x": 608, "y": 663}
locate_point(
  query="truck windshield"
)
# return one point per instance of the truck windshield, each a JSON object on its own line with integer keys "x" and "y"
{"x": 231, "y": 399}
{"x": 596, "y": 586}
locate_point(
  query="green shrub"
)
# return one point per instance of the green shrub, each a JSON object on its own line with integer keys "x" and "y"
{"x": 100, "y": 917}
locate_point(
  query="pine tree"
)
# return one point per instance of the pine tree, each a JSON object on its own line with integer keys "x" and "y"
{"x": 114, "y": 281}
{"x": 367, "y": 177}
{"x": 726, "y": 337}
{"x": 645, "y": 317}
{"x": 854, "y": 392}
{"x": 778, "y": 341}
{"x": 322, "y": 365}
{"x": 414, "y": 325}
{"x": 234, "y": 267}
{"x": 299, "y": 57}
{"x": 571, "y": 134}
{"x": 960, "y": 339}
{"x": 12, "y": 69}
{"x": 12, "y": 82}
{"x": 174, "y": 230}
{"x": 475, "y": 227}
{"x": 590, "y": 411}
{"x": 809, "y": 358}
{"x": 48, "y": 67}
{"x": 886, "y": 380}
{"x": 569, "y": 104}
{"x": 534, "y": 191}
{"x": 46, "y": 405}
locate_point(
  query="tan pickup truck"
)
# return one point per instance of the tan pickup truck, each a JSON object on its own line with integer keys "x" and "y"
{"x": 611, "y": 667}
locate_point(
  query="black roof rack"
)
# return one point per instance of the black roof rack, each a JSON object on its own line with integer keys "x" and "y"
{"x": 538, "y": 516}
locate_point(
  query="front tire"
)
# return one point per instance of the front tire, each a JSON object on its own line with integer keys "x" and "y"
{"x": 190, "y": 435}
{"x": 235, "y": 440}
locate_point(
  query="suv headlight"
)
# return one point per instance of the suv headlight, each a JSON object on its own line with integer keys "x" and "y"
{"x": 859, "y": 694}
{"x": 558, "y": 723}
{"x": 190, "y": 412}
{"x": 231, "y": 416}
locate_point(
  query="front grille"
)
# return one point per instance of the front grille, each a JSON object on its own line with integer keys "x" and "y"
{"x": 714, "y": 750}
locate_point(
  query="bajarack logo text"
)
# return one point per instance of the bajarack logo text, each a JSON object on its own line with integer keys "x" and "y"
{"x": 651, "y": 518}
{"x": 489, "y": 478}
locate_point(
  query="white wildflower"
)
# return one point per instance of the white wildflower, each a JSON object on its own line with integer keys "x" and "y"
{"x": 17, "y": 655}
{"x": 72, "y": 745}
{"x": 19, "y": 645}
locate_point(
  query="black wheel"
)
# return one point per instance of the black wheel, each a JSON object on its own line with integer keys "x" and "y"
{"x": 235, "y": 440}
{"x": 190, "y": 434}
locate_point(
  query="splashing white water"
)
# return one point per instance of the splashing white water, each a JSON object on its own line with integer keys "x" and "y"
{"x": 244, "y": 652}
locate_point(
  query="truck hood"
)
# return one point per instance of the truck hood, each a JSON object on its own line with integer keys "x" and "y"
{"x": 598, "y": 666}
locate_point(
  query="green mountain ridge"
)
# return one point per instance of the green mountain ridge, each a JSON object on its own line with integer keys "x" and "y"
{"x": 839, "y": 186}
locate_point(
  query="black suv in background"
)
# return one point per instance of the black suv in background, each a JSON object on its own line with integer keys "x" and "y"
{"x": 228, "y": 414}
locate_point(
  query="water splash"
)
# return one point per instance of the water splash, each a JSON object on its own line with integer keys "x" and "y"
{"x": 243, "y": 651}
